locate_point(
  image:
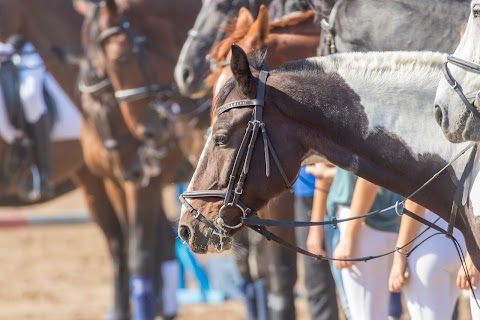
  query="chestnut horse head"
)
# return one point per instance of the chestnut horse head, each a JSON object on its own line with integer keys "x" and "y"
{"x": 293, "y": 37}
{"x": 138, "y": 59}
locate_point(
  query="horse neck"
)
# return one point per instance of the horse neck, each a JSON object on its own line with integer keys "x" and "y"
{"x": 390, "y": 139}
{"x": 404, "y": 18}
{"x": 292, "y": 42}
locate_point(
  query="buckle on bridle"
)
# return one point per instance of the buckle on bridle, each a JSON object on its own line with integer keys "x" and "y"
{"x": 454, "y": 85}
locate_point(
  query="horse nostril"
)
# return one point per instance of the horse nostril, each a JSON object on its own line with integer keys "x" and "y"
{"x": 186, "y": 74}
{"x": 438, "y": 114}
{"x": 184, "y": 233}
{"x": 149, "y": 133}
{"x": 135, "y": 174}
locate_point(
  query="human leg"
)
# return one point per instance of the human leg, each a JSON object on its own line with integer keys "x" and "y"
{"x": 433, "y": 268}
{"x": 332, "y": 237}
{"x": 319, "y": 283}
{"x": 366, "y": 284}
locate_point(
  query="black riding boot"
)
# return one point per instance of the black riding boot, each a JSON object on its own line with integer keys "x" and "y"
{"x": 40, "y": 133}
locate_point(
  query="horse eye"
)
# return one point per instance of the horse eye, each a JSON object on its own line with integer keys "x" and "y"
{"x": 221, "y": 139}
{"x": 476, "y": 13}
{"x": 123, "y": 59}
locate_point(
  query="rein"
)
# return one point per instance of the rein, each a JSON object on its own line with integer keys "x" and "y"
{"x": 469, "y": 67}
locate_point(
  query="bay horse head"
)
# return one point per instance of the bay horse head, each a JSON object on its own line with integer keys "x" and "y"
{"x": 225, "y": 186}
{"x": 209, "y": 28}
{"x": 142, "y": 82}
{"x": 457, "y": 102}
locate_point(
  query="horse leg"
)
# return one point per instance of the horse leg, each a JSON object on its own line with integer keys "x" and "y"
{"x": 143, "y": 208}
{"x": 282, "y": 267}
{"x": 169, "y": 272}
{"x": 104, "y": 215}
{"x": 241, "y": 257}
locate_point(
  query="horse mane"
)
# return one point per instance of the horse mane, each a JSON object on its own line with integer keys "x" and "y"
{"x": 380, "y": 68}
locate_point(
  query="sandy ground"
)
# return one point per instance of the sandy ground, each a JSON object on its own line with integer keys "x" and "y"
{"x": 64, "y": 272}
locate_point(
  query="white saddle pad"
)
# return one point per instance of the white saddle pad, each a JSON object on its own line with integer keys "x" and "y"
{"x": 67, "y": 125}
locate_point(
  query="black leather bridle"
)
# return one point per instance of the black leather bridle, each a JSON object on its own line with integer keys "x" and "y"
{"x": 149, "y": 90}
{"x": 469, "y": 67}
{"x": 231, "y": 197}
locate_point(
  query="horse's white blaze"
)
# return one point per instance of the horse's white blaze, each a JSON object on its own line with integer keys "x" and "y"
{"x": 196, "y": 173}
{"x": 392, "y": 85}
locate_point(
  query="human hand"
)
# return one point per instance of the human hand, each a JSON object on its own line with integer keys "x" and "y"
{"x": 315, "y": 240}
{"x": 344, "y": 250}
{"x": 322, "y": 171}
{"x": 398, "y": 275}
{"x": 462, "y": 282}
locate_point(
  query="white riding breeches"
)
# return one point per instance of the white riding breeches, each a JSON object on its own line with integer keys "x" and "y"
{"x": 432, "y": 291}
{"x": 366, "y": 283}
{"x": 33, "y": 77}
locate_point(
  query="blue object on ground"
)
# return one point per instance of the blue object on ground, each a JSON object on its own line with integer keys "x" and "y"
{"x": 142, "y": 297}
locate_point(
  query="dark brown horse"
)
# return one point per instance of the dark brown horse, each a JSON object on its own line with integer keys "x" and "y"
{"x": 294, "y": 37}
{"x": 346, "y": 108}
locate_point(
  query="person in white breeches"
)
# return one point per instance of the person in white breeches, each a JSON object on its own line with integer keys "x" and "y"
{"x": 430, "y": 276}
{"x": 32, "y": 76}
{"x": 366, "y": 283}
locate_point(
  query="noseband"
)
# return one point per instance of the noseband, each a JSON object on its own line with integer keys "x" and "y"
{"x": 149, "y": 90}
{"x": 469, "y": 67}
{"x": 231, "y": 197}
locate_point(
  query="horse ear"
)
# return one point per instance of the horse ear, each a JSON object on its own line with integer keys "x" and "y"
{"x": 244, "y": 20}
{"x": 111, "y": 5}
{"x": 261, "y": 28}
{"x": 240, "y": 68}
{"x": 83, "y": 7}
{"x": 108, "y": 12}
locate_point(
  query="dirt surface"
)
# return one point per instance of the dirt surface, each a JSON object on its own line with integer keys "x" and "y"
{"x": 64, "y": 272}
